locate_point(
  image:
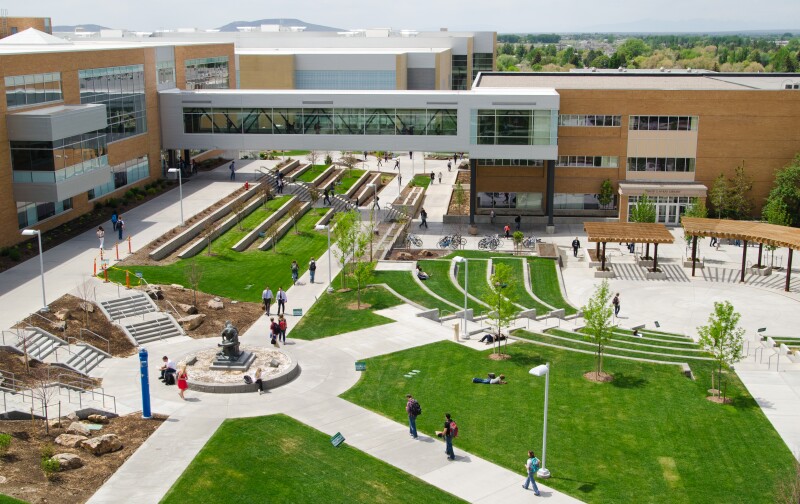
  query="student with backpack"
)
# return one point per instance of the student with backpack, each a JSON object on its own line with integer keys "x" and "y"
{"x": 273, "y": 332}
{"x": 282, "y": 329}
{"x": 531, "y": 468}
{"x": 414, "y": 410}
{"x": 450, "y": 432}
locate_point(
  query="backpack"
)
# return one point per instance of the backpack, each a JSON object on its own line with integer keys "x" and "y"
{"x": 248, "y": 380}
{"x": 416, "y": 409}
{"x": 282, "y": 325}
{"x": 453, "y": 429}
{"x": 534, "y": 465}
{"x": 312, "y": 266}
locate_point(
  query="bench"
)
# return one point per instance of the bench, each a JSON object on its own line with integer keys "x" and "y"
{"x": 687, "y": 371}
{"x": 638, "y": 327}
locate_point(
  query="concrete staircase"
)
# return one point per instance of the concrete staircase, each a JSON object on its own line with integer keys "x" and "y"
{"x": 393, "y": 214}
{"x": 84, "y": 359}
{"x": 38, "y": 343}
{"x": 155, "y": 329}
{"x": 63, "y": 398}
{"x": 129, "y": 306}
{"x": 140, "y": 318}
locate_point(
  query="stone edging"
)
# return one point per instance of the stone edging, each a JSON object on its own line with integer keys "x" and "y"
{"x": 265, "y": 224}
{"x": 240, "y": 388}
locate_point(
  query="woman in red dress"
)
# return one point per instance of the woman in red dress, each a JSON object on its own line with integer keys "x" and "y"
{"x": 183, "y": 378}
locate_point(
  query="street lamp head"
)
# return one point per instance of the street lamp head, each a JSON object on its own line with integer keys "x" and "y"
{"x": 321, "y": 227}
{"x": 459, "y": 259}
{"x": 539, "y": 370}
{"x": 173, "y": 170}
{"x": 30, "y": 232}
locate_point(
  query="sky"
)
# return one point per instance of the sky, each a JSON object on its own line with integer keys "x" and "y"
{"x": 502, "y": 16}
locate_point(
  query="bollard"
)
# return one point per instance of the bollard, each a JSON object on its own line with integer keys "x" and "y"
{"x": 455, "y": 333}
{"x": 116, "y": 246}
{"x": 129, "y": 245}
{"x": 95, "y": 267}
{"x": 105, "y": 274}
{"x": 145, "y": 383}
{"x": 127, "y": 279}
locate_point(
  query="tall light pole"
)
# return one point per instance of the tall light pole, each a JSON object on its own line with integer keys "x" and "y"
{"x": 180, "y": 188}
{"x": 38, "y": 233}
{"x": 330, "y": 277}
{"x": 374, "y": 196}
{"x": 459, "y": 259}
{"x": 543, "y": 369}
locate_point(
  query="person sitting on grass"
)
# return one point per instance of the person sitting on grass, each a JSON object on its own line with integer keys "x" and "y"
{"x": 492, "y": 380}
{"x": 421, "y": 274}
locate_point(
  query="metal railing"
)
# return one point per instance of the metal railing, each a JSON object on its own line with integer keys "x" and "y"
{"x": 108, "y": 343}
{"x": 36, "y": 314}
{"x": 69, "y": 351}
{"x": 15, "y": 334}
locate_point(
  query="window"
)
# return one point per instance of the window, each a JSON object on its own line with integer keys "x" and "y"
{"x": 123, "y": 174}
{"x": 510, "y": 200}
{"x": 589, "y": 120}
{"x": 33, "y": 89}
{"x": 207, "y": 73}
{"x": 165, "y": 72}
{"x": 511, "y": 162}
{"x": 121, "y": 90}
{"x": 345, "y": 79}
{"x": 513, "y": 127}
{"x": 661, "y": 164}
{"x": 459, "y": 72}
{"x": 57, "y": 161}
{"x": 482, "y": 62}
{"x": 571, "y": 201}
{"x": 29, "y": 214}
{"x": 663, "y": 123}
{"x": 589, "y": 161}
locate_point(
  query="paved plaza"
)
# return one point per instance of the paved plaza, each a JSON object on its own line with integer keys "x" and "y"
{"x": 679, "y": 304}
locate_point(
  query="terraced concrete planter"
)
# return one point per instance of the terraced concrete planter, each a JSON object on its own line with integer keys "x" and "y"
{"x": 598, "y": 273}
{"x": 655, "y": 275}
{"x": 762, "y": 271}
{"x": 688, "y": 264}
{"x": 644, "y": 263}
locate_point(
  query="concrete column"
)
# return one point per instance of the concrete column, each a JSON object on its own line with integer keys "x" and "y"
{"x": 760, "y": 251}
{"x": 550, "y": 194}
{"x": 694, "y": 253}
{"x": 744, "y": 259}
{"x": 473, "y": 194}
{"x": 789, "y": 271}
{"x": 655, "y": 257}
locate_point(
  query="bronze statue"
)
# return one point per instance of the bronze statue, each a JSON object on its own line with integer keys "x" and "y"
{"x": 230, "y": 343}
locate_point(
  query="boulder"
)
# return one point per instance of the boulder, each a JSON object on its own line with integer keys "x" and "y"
{"x": 187, "y": 308}
{"x": 59, "y": 326}
{"x": 215, "y": 304}
{"x": 177, "y": 287}
{"x": 426, "y": 253}
{"x": 79, "y": 428}
{"x": 274, "y": 363}
{"x": 154, "y": 291}
{"x": 68, "y": 461}
{"x": 70, "y": 440}
{"x": 54, "y": 423}
{"x": 99, "y": 419}
{"x": 87, "y": 307}
{"x": 62, "y": 314}
{"x": 72, "y": 416}
{"x": 405, "y": 256}
{"x": 106, "y": 443}
{"x": 191, "y": 322}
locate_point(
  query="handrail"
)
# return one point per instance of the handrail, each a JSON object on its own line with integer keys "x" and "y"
{"x": 85, "y": 362}
{"x": 37, "y": 314}
{"x": 13, "y": 333}
{"x": 108, "y": 343}
{"x": 777, "y": 361}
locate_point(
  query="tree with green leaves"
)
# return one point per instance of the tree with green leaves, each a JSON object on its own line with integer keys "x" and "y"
{"x": 722, "y": 338}
{"x": 597, "y": 314}
{"x": 785, "y": 192}
{"x": 696, "y": 209}
{"x": 775, "y": 212}
{"x": 518, "y": 237}
{"x": 606, "y": 195}
{"x": 718, "y": 195}
{"x": 644, "y": 211}
{"x": 738, "y": 202}
{"x": 346, "y": 228}
{"x": 349, "y": 161}
{"x": 499, "y": 297}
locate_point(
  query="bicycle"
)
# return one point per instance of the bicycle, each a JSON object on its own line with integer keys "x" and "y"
{"x": 445, "y": 242}
{"x": 413, "y": 240}
{"x": 531, "y": 241}
{"x": 489, "y": 242}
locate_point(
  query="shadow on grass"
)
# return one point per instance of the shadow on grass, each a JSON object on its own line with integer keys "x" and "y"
{"x": 743, "y": 402}
{"x": 625, "y": 381}
{"x": 585, "y": 486}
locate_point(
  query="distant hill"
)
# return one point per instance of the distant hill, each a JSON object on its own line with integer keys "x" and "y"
{"x": 231, "y": 27}
{"x": 85, "y": 27}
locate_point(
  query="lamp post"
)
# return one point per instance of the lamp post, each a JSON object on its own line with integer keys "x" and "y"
{"x": 38, "y": 233}
{"x": 180, "y": 188}
{"x": 543, "y": 369}
{"x": 459, "y": 259}
{"x": 374, "y": 196}
{"x": 330, "y": 277}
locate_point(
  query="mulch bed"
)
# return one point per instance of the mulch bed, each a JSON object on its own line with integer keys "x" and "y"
{"x": 25, "y": 480}
{"x": 598, "y": 377}
{"x": 399, "y": 254}
{"x": 463, "y": 178}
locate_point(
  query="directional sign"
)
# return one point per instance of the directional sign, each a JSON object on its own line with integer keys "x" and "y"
{"x": 337, "y": 439}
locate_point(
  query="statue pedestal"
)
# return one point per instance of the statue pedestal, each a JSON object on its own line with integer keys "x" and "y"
{"x": 242, "y": 363}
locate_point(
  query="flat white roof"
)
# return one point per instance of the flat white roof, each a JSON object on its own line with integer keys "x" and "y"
{"x": 338, "y": 50}
{"x": 635, "y": 81}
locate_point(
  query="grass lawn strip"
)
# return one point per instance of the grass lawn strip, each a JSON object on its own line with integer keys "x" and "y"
{"x": 648, "y": 434}
{"x": 314, "y": 471}
{"x": 636, "y": 342}
{"x": 249, "y": 223}
{"x": 660, "y": 334}
{"x": 664, "y": 342}
{"x": 332, "y": 313}
{"x": 346, "y": 182}
{"x": 403, "y": 282}
{"x": 520, "y": 292}
{"x": 312, "y": 173}
{"x": 440, "y": 283}
{"x": 545, "y": 283}
{"x": 479, "y": 254}
{"x": 421, "y": 180}
{"x": 243, "y": 275}
{"x": 478, "y": 285}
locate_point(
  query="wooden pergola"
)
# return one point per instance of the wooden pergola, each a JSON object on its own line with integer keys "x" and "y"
{"x": 746, "y": 231}
{"x": 628, "y": 232}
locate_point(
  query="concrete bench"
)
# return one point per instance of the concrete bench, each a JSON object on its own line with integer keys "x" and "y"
{"x": 687, "y": 371}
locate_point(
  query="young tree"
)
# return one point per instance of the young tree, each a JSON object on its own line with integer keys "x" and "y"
{"x": 644, "y": 211}
{"x": 361, "y": 269}
{"x": 87, "y": 294}
{"x": 349, "y": 161}
{"x": 499, "y": 297}
{"x": 606, "y": 195}
{"x": 518, "y": 237}
{"x": 785, "y": 192}
{"x": 722, "y": 338}
{"x": 459, "y": 197}
{"x": 266, "y": 191}
{"x": 597, "y": 314}
{"x": 44, "y": 392}
{"x": 238, "y": 210}
{"x": 696, "y": 209}
{"x": 294, "y": 213}
{"x": 312, "y": 157}
{"x": 739, "y": 204}
{"x": 346, "y": 227}
{"x": 313, "y": 193}
{"x": 718, "y": 196}
{"x": 272, "y": 234}
{"x": 208, "y": 235}
{"x": 194, "y": 273}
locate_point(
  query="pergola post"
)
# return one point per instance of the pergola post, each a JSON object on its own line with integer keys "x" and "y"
{"x": 655, "y": 257}
{"x": 646, "y": 250}
{"x": 789, "y": 271}
{"x": 603, "y": 261}
{"x": 694, "y": 253}
{"x": 598, "y": 250}
{"x": 744, "y": 258}
{"x": 760, "y": 251}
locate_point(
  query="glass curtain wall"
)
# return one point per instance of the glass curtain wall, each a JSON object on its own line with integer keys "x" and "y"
{"x": 121, "y": 90}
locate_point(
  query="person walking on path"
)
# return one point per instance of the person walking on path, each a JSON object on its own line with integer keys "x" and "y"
{"x": 120, "y": 227}
{"x": 312, "y": 269}
{"x": 531, "y": 467}
{"x": 449, "y": 433}
{"x": 576, "y": 244}
{"x": 397, "y": 164}
{"x": 258, "y": 381}
{"x": 413, "y": 409}
{"x": 273, "y": 332}
{"x": 440, "y": 177}
{"x": 449, "y": 165}
{"x": 282, "y": 299}
{"x": 616, "y": 304}
{"x": 507, "y": 230}
{"x": 233, "y": 172}
{"x": 101, "y": 235}
{"x": 380, "y": 161}
{"x": 183, "y": 380}
{"x": 282, "y": 328}
{"x": 266, "y": 297}
{"x": 295, "y": 272}
{"x": 492, "y": 215}
{"x": 376, "y": 204}
{"x": 327, "y": 199}
{"x": 518, "y": 221}
{"x": 433, "y": 177}
{"x": 424, "y": 216}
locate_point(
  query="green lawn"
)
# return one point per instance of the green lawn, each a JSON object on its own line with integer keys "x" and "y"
{"x": 440, "y": 283}
{"x": 403, "y": 282}
{"x": 546, "y": 285}
{"x": 5, "y": 499}
{"x": 519, "y": 291}
{"x": 233, "y": 235}
{"x": 350, "y": 177}
{"x": 649, "y": 436}
{"x": 312, "y": 173}
{"x": 277, "y": 459}
{"x": 421, "y": 181}
{"x": 330, "y": 315}
{"x": 478, "y": 285}
{"x": 294, "y": 153}
{"x": 242, "y": 275}
{"x": 477, "y": 254}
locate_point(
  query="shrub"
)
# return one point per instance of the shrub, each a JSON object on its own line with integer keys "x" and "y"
{"x": 46, "y": 451}
{"x": 328, "y": 159}
{"x": 98, "y": 206}
{"x": 14, "y": 254}
{"x": 4, "y": 251}
{"x": 152, "y": 191}
{"x": 129, "y": 194}
{"x": 139, "y": 197}
{"x": 5, "y": 443}
{"x": 50, "y": 467}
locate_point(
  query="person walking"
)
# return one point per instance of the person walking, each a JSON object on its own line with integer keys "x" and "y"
{"x": 424, "y": 216}
{"x": 413, "y": 409}
{"x": 282, "y": 328}
{"x": 114, "y": 220}
{"x": 327, "y": 199}
{"x": 518, "y": 221}
{"x": 183, "y": 380}
{"x": 376, "y": 204}
{"x": 266, "y": 297}
{"x": 449, "y": 165}
{"x": 258, "y": 381}
{"x": 714, "y": 241}
{"x": 365, "y": 155}
{"x": 397, "y": 164}
{"x": 455, "y": 159}
{"x": 233, "y": 172}
{"x": 433, "y": 177}
{"x": 440, "y": 177}
{"x": 380, "y": 161}
{"x": 273, "y": 332}
{"x": 312, "y": 269}
{"x": 616, "y": 304}
{"x": 531, "y": 467}
{"x": 282, "y": 299}
{"x": 507, "y": 230}
{"x": 295, "y": 272}
{"x": 101, "y": 235}
{"x": 120, "y": 227}
{"x": 576, "y": 244}
{"x": 410, "y": 155}
{"x": 450, "y": 431}
{"x": 492, "y": 215}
